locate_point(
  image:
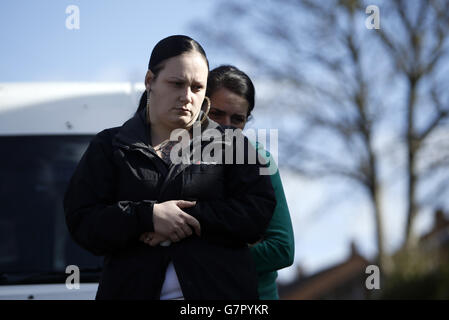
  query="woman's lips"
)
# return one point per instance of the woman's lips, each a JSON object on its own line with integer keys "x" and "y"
{"x": 183, "y": 110}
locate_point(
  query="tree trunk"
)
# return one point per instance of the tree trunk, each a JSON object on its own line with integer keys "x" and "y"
{"x": 375, "y": 200}
{"x": 412, "y": 148}
{"x": 382, "y": 263}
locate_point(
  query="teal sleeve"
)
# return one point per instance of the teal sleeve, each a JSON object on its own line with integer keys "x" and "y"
{"x": 276, "y": 250}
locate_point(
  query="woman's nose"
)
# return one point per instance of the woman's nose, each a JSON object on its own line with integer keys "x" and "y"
{"x": 186, "y": 96}
{"x": 227, "y": 120}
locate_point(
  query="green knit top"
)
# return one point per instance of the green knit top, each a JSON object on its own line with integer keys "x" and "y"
{"x": 277, "y": 248}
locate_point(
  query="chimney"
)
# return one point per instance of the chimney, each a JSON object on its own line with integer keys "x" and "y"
{"x": 440, "y": 220}
{"x": 299, "y": 272}
{"x": 354, "y": 251}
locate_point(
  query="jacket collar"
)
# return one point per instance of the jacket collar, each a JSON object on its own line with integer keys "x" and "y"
{"x": 136, "y": 134}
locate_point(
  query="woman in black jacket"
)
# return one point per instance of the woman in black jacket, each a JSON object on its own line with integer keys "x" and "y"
{"x": 127, "y": 185}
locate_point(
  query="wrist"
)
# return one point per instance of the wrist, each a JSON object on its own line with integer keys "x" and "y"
{"x": 145, "y": 211}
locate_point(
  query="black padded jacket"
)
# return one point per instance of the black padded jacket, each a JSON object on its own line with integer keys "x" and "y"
{"x": 109, "y": 203}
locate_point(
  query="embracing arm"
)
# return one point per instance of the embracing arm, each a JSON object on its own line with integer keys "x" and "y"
{"x": 276, "y": 250}
{"x": 97, "y": 221}
{"x": 243, "y": 214}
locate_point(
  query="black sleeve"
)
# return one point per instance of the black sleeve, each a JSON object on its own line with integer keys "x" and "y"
{"x": 98, "y": 222}
{"x": 244, "y": 214}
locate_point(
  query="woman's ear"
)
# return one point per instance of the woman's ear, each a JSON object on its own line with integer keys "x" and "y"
{"x": 149, "y": 77}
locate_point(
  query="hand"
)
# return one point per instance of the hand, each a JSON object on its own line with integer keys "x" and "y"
{"x": 173, "y": 223}
{"x": 152, "y": 238}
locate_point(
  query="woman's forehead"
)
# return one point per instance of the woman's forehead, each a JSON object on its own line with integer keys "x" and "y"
{"x": 229, "y": 102}
{"x": 187, "y": 66}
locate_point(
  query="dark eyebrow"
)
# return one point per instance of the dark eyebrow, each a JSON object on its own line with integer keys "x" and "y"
{"x": 217, "y": 110}
{"x": 184, "y": 80}
{"x": 197, "y": 83}
{"x": 177, "y": 78}
{"x": 238, "y": 117}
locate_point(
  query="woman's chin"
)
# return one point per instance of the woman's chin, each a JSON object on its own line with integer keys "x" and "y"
{"x": 182, "y": 121}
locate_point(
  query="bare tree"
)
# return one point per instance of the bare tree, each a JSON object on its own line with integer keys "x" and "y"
{"x": 420, "y": 50}
{"x": 338, "y": 79}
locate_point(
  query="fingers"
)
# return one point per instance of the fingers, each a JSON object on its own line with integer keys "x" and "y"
{"x": 188, "y": 218}
{"x": 184, "y": 221}
{"x": 145, "y": 236}
{"x": 173, "y": 223}
{"x": 168, "y": 220}
{"x": 174, "y": 237}
{"x": 187, "y": 230}
{"x": 185, "y": 204}
{"x": 178, "y": 235}
{"x": 193, "y": 223}
{"x": 156, "y": 240}
{"x": 153, "y": 238}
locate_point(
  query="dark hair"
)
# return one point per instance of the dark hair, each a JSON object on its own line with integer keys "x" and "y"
{"x": 233, "y": 79}
{"x": 171, "y": 47}
{"x": 167, "y": 48}
{"x": 142, "y": 102}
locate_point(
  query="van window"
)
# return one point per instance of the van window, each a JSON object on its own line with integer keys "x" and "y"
{"x": 34, "y": 174}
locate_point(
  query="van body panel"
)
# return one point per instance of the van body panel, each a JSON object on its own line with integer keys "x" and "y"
{"x": 44, "y": 130}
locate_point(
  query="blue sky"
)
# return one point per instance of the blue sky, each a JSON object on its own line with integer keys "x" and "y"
{"x": 113, "y": 43}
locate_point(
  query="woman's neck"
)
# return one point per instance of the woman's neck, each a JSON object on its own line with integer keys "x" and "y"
{"x": 159, "y": 134}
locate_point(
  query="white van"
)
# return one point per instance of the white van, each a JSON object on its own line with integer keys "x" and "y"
{"x": 44, "y": 130}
